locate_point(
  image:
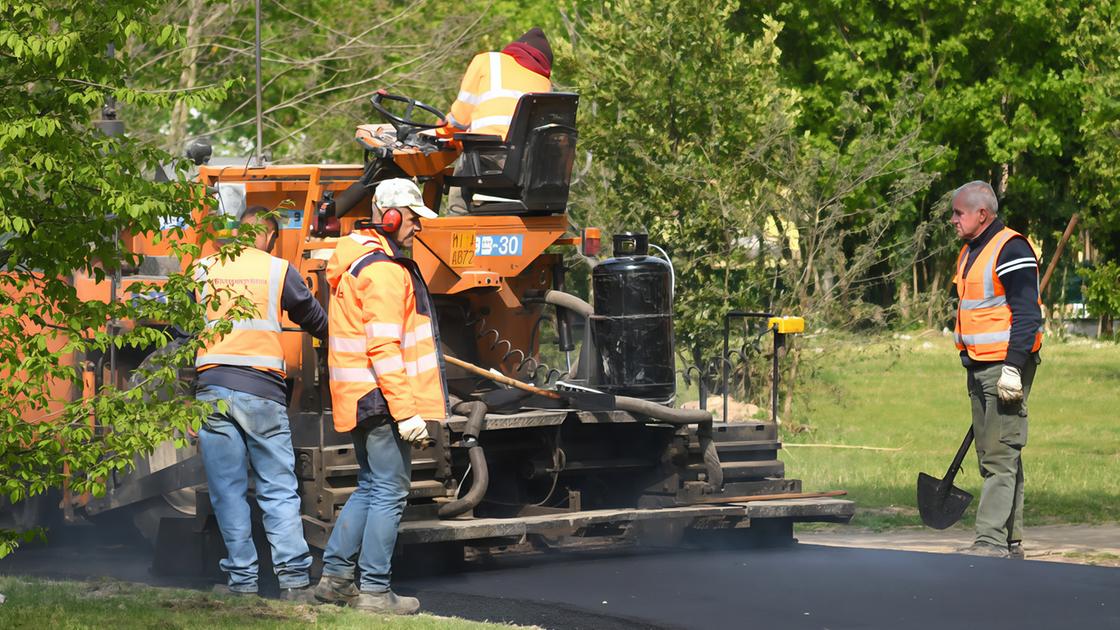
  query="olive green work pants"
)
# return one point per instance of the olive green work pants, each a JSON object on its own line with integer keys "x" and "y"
{"x": 1001, "y": 433}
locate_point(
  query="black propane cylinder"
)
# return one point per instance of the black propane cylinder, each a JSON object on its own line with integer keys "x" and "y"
{"x": 632, "y": 328}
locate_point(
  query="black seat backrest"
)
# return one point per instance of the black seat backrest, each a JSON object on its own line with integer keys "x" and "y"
{"x": 533, "y": 165}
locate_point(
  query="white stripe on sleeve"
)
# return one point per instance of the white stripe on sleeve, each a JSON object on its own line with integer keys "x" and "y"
{"x": 1007, "y": 270}
{"x": 1011, "y": 263}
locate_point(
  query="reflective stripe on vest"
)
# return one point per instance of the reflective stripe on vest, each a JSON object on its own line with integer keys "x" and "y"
{"x": 983, "y": 326}
{"x": 500, "y": 82}
{"x": 244, "y": 346}
{"x": 353, "y": 375}
{"x": 364, "y": 365}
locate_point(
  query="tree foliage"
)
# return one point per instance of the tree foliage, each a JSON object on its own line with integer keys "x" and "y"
{"x": 695, "y": 137}
{"x": 1102, "y": 290}
{"x": 70, "y": 199}
{"x": 1020, "y": 94}
{"x": 322, "y": 60}
{"x": 671, "y": 104}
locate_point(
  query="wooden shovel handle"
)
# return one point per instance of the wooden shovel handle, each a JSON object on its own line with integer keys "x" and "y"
{"x": 1057, "y": 253}
{"x": 501, "y": 378}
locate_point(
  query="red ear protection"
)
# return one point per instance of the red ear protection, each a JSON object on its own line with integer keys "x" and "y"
{"x": 391, "y": 220}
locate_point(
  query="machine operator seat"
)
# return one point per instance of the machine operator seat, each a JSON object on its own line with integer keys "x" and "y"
{"x": 529, "y": 172}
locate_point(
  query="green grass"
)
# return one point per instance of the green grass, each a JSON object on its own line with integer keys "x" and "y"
{"x": 33, "y": 603}
{"x": 910, "y": 394}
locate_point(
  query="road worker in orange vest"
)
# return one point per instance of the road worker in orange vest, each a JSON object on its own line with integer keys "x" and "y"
{"x": 246, "y": 370}
{"x": 387, "y": 383}
{"x": 998, "y": 334}
{"x": 489, "y": 91}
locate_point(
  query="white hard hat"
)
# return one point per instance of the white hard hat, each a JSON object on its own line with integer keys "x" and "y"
{"x": 402, "y": 193}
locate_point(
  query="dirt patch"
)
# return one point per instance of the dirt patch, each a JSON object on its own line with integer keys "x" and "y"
{"x": 1097, "y": 545}
{"x": 1095, "y": 559}
{"x": 254, "y": 607}
{"x": 106, "y": 587}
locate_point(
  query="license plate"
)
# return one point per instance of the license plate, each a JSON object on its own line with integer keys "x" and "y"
{"x": 462, "y": 249}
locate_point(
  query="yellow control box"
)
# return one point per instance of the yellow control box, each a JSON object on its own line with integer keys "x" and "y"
{"x": 787, "y": 325}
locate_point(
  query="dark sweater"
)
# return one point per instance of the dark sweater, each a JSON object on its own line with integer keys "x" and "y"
{"x": 303, "y": 309}
{"x": 1017, "y": 269}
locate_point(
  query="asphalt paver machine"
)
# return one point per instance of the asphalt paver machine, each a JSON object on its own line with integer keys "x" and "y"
{"x": 600, "y": 450}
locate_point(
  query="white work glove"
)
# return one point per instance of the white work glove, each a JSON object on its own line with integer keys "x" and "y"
{"x": 1010, "y": 385}
{"x": 414, "y": 430}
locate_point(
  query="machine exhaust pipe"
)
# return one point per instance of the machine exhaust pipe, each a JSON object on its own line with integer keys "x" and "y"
{"x": 476, "y": 412}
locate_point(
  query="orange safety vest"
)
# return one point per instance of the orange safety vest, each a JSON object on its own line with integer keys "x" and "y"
{"x": 983, "y": 315}
{"x": 254, "y": 343}
{"x": 384, "y": 346}
{"x": 488, "y": 94}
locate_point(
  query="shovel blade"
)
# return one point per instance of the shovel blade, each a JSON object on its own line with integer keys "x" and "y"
{"x": 940, "y": 506}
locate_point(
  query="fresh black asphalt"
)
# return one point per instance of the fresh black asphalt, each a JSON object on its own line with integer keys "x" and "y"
{"x": 803, "y": 586}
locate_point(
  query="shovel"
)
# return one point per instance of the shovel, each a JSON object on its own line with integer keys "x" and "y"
{"x": 940, "y": 502}
{"x": 583, "y": 398}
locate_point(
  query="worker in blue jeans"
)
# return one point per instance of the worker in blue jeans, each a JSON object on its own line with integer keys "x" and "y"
{"x": 386, "y": 384}
{"x": 254, "y": 429}
{"x": 245, "y": 370}
{"x": 382, "y": 492}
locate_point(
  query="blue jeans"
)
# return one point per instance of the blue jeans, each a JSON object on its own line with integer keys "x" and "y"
{"x": 367, "y": 526}
{"x": 255, "y": 431}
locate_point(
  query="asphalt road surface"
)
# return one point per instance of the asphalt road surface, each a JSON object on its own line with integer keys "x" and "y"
{"x": 804, "y": 586}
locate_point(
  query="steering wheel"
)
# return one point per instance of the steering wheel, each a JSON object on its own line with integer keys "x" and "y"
{"x": 405, "y": 125}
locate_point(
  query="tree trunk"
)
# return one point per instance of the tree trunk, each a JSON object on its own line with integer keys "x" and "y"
{"x": 187, "y": 78}
{"x": 904, "y": 299}
{"x": 934, "y": 287}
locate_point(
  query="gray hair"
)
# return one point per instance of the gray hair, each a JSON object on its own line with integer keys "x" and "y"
{"x": 978, "y": 194}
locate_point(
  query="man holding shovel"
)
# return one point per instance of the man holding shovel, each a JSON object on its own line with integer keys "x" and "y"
{"x": 999, "y": 334}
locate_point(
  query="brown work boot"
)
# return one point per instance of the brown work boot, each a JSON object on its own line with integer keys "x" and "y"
{"x": 222, "y": 589}
{"x": 300, "y": 595}
{"x": 386, "y": 602}
{"x": 336, "y": 590}
{"x": 1015, "y": 551}
{"x": 984, "y": 549}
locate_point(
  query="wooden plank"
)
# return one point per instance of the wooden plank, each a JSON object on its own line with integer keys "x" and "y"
{"x": 412, "y": 532}
{"x": 803, "y": 509}
{"x": 773, "y": 497}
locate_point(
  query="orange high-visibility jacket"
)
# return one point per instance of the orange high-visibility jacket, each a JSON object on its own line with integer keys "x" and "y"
{"x": 983, "y": 315}
{"x": 253, "y": 343}
{"x": 384, "y": 345}
{"x": 488, "y": 94}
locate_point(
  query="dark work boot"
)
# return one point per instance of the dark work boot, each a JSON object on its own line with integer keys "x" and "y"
{"x": 301, "y": 595}
{"x": 386, "y": 602}
{"x": 984, "y": 549}
{"x": 336, "y": 590}
{"x": 222, "y": 589}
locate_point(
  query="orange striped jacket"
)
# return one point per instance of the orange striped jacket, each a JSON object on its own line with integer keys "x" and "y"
{"x": 488, "y": 95}
{"x": 384, "y": 343}
{"x": 983, "y": 315}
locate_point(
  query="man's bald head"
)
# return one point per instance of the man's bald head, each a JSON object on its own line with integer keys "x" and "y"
{"x": 976, "y": 195}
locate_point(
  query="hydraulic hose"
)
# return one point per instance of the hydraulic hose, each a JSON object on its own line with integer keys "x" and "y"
{"x": 699, "y": 417}
{"x": 569, "y": 301}
{"x": 475, "y": 412}
{"x": 661, "y": 412}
